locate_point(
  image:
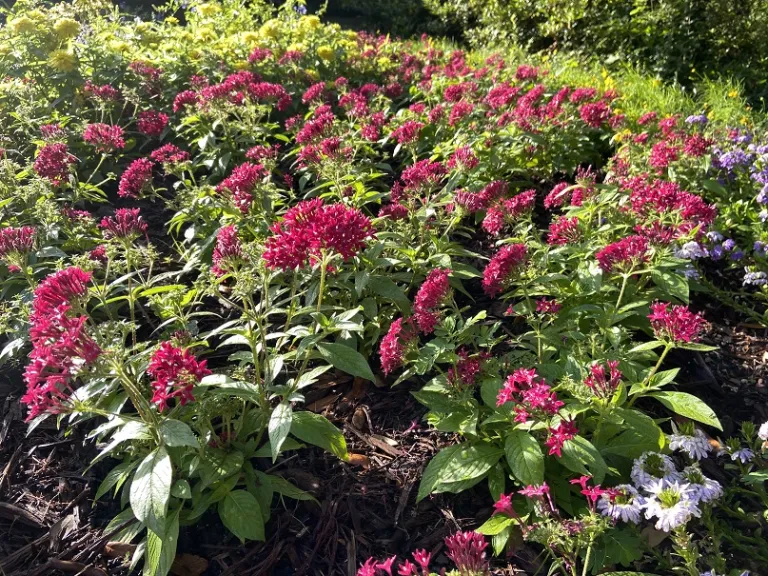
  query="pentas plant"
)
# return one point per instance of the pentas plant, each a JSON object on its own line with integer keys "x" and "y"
{"x": 290, "y": 198}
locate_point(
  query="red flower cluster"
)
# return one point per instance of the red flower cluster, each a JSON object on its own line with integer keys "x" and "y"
{"x": 228, "y": 253}
{"x": 52, "y": 131}
{"x": 104, "y": 137}
{"x": 653, "y": 197}
{"x": 15, "y": 244}
{"x": 564, "y": 231}
{"x": 662, "y": 155}
{"x": 474, "y": 201}
{"x": 394, "y": 345}
{"x": 136, "y": 179}
{"x": 533, "y": 397}
{"x": 151, "y": 123}
{"x": 603, "y": 384}
{"x": 467, "y": 368}
{"x": 175, "y": 373}
{"x": 463, "y": 158}
{"x": 558, "y": 196}
{"x": 184, "y": 99}
{"x": 316, "y": 92}
{"x": 595, "y": 114}
{"x": 53, "y": 162}
{"x": 467, "y": 551}
{"x": 169, "y": 154}
{"x": 677, "y": 324}
{"x": 126, "y": 224}
{"x": 408, "y": 132}
{"x": 60, "y": 345}
{"x": 423, "y": 174}
{"x": 311, "y": 228}
{"x": 241, "y": 184}
{"x": 623, "y": 255}
{"x": 508, "y": 211}
{"x": 547, "y": 306}
{"x": 431, "y": 295}
{"x": 105, "y": 93}
{"x": 559, "y": 435}
{"x": 501, "y": 267}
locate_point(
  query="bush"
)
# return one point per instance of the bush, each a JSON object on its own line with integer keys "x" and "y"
{"x": 677, "y": 39}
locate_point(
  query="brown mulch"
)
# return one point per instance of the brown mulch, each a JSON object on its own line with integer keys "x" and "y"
{"x": 49, "y": 524}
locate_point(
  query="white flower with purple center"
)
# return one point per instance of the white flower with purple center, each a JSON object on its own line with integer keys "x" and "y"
{"x": 755, "y": 278}
{"x": 671, "y": 503}
{"x": 705, "y": 489}
{"x": 691, "y": 251}
{"x": 743, "y": 455}
{"x": 762, "y": 432}
{"x": 624, "y": 504}
{"x": 696, "y": 446}
{"x": 652, "y": 466}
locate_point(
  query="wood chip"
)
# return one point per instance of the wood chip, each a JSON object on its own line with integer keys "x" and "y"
{"x": 76, "y": 568}
{"x": 16, "y": 514}
{"x": 189, "y": 565}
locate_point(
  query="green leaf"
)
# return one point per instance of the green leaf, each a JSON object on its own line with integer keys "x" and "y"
{"x": 151, "y": 489}
{"x": 385, "y": 287}
{"x": 697, "y": 347}
{"x": 495, "y": 524}
{"x": 279, "y": 427}
{"x": 617, "y": 546}
{"x": 241, "y": 514}
{"x": 346, "y": 359}
{"x": 689, "y": 406}
{"x": 217, "y": 464}
{"x": 282, "y": 486}
{"x": 176, "y": 433}
{"x": 755, "y": 477}
{"x": 181, "y": 489}
{"x": 463, "y": 464}
{"x": 672, "y": 283}
{"x": 645, "y": 346}
{"x": 580, "y": 456}
{"x": 161, "y": 548}
{"x": 318, "y": 430}
{"x": 114, "y": 476}
{"x": 525, "y": 458}
{"x": 497, "y": 481}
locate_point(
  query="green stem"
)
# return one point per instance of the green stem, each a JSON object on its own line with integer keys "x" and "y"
{"x": 647, "y": 380}
{"x": 588, "y": 557}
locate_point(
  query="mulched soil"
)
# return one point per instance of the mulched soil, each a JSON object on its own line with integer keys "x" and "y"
{"x": 50, "y": 526}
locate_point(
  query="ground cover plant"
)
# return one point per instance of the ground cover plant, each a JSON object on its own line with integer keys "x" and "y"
{"x": 191, "y": 246}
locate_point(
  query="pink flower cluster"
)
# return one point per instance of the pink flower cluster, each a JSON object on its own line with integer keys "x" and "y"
{"x": 228, "y": 253}
{"x": 126, "y": 224}
{"x": 175, "y": 372}
{"x": 312, "y": 228}
{"x": 61, "y": 347}
{"x": 502, "y": 266}
{"x": 533, "y": 397}
{"x": 504, "y": 212}
{"x": 105, "y": 93}
{"x": 563, "y": 231}
{"x": 676, "y": 323}
{"x": 136, "y": 179}
{"x": 169, "y": 154}
{"x": 467, "y": 368}
{"x": 431, "y": 295}
{"x": 53, "y": 162}
{"x": 623, "y": 255}
{"x": 395, "y": 344}
{"x": 104, "y": 138}
{"x": 151, "y": 123}
{"x": 465, "y": 549}
{"x": 604, "y": 379}
{"x": 15, "y": 244}
{"x": 408, "y": 132}
{"x": 241, "y": 184}
{"x": 559, "y": 435}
